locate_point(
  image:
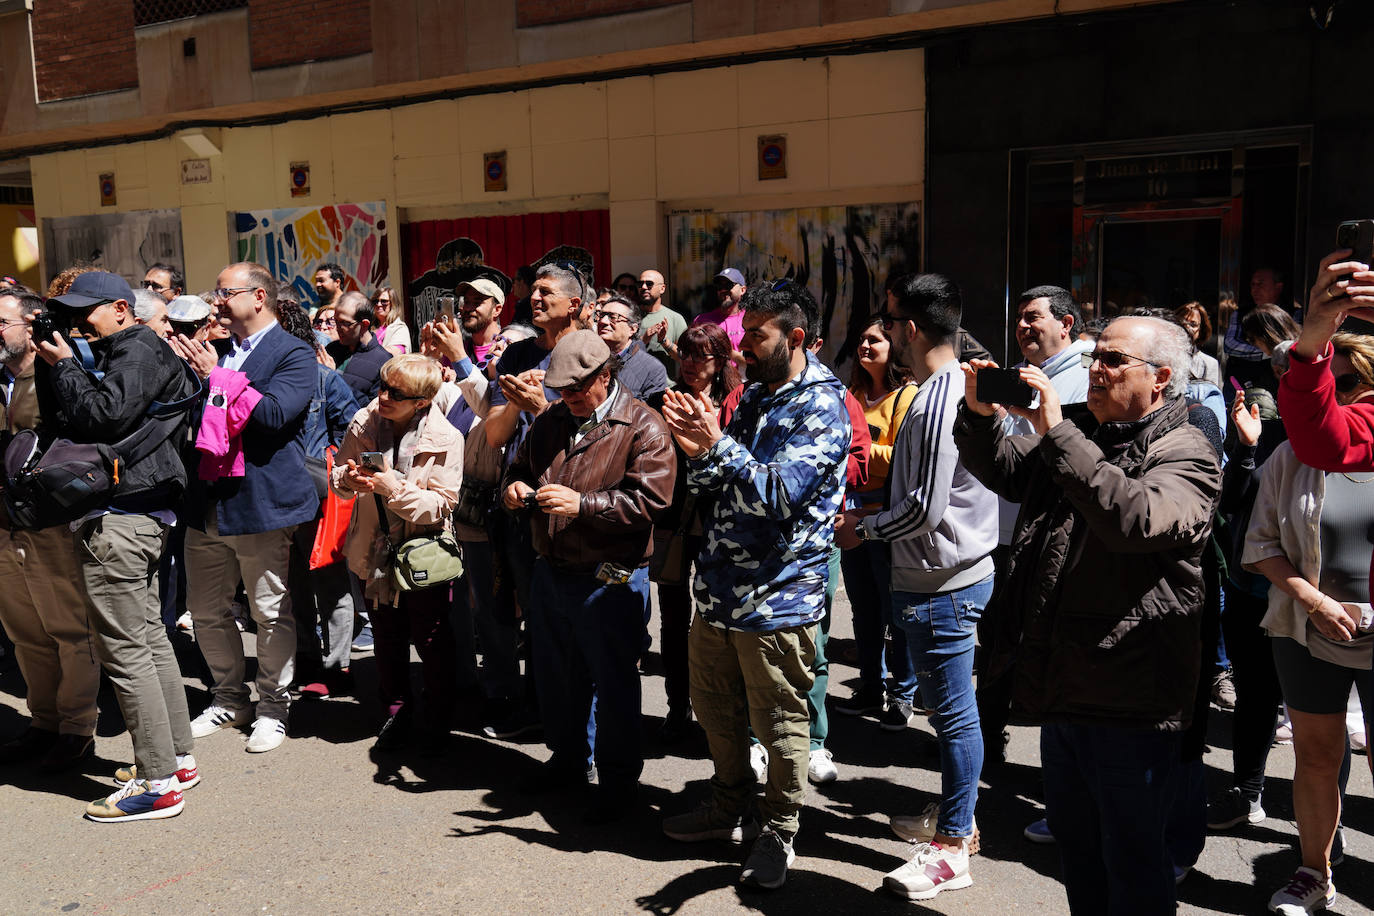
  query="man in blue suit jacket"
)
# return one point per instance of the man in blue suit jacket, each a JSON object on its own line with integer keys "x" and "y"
{"x": 241, "y": 526}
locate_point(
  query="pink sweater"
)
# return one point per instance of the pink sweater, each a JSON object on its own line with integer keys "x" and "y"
{"x": 230, "y": 403}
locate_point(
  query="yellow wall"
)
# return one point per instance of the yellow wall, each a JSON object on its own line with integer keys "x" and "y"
{"x": 19, "y": 244}
{"x": 855, "y": 128}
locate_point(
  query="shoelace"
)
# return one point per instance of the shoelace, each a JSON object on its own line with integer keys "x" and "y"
{"x": 132, "y": 787}
{"x": 1302, "y": 884}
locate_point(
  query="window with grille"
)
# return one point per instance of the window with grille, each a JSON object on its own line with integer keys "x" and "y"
{"x": 149, "y": 12}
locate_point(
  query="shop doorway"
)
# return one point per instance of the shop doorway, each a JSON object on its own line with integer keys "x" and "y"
{"x": 1159, "y": 222}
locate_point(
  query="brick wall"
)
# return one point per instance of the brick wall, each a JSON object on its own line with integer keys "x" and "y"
{"x": 546, "y": 12}
{"x": 291, "y": 31}
{"x": 81, "y": 47}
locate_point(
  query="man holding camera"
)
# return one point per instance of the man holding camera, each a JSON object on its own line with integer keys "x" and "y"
{"x": 120, "y": 547}
{"x": 1098, "y": 617}
{"x": 595, "y": 471}
{"x": 42, "y": 607}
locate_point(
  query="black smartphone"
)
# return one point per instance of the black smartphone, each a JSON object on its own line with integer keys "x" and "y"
{"x": 1004, "y": 386}
{"x": 1358, "y": 236}
{"x": 531, "y": 501}
{"x": 373, "y": 461}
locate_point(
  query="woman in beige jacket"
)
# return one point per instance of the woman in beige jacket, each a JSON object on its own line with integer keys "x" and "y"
{"x": 423, "y": 471}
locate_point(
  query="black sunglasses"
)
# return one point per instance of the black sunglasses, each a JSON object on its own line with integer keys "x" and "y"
{"x": 1348, "y": 382}
{"x": 1112, "y": 359}
{"x": 396, "y": 394}
{"x": 890, "y": 320}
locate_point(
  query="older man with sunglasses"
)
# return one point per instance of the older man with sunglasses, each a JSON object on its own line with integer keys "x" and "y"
{"x": 1099, "y": 613}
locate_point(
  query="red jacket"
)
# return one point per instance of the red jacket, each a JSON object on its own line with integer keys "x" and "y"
{"x": 1325, "y": 435}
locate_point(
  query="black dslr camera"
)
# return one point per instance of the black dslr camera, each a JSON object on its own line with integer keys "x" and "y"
{"x": 45, "y": 326}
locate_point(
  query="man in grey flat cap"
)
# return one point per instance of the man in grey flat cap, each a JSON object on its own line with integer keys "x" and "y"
{"x": 595, "y": 470}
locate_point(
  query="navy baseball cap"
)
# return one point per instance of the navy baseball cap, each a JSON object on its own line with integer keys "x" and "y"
{"x": 734, "y": 276}
{"x": 95, "y": 288}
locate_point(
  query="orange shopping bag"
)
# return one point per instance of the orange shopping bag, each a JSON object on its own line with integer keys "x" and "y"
{"x": 333, "y": 529}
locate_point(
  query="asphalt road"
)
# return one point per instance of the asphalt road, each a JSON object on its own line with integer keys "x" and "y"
{"x": 322, "y": 825}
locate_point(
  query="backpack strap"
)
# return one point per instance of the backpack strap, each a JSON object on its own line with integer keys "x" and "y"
{"x": 145, "y": 440}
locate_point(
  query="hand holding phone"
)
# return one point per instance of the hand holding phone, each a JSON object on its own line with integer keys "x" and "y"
{"x": 1005, "y": 387}
{"x": 373, "y": 461}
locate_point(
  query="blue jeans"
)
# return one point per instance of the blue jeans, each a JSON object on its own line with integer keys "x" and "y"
{"x": 940, "y": 634}
{"x": 1108, "y": 798}
{"x": 866, "y": 582}
{"x": 587, "y": 637}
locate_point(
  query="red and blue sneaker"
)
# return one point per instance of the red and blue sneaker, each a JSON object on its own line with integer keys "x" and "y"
{"x": 188, "y": 774}
{"x": 135, "y": 801}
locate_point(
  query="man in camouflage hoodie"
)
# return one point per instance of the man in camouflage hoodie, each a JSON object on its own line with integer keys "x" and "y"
{"x": 775, "y": 478}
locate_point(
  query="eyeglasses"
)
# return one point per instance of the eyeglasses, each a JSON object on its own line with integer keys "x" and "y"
{"x": 1112, "y": 359}
{"x": 149, "y": 284}
{"x": 1348, "y": 382}
{"x": 344, "y": 323}
{"x": 396, "y": 394}
{"x": 323, "y": 323}
{"x": 782, "y": 283}
{"x": 6, "y": 322}
{"x": 648, "y": 283}
{"x": 699, "y": 359}
{"x": 891, "y": 320}
{"x": 612, "y": 316}
{"x": 224, "y": 294}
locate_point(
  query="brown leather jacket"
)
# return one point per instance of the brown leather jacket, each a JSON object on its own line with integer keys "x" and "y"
{"x": 624, "y": 468}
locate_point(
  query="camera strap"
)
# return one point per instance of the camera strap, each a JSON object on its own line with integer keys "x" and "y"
{"x": 87, "y": 358}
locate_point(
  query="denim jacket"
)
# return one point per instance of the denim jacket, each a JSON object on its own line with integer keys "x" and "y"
{"x": 778, "y": 477}
{"x": 331, "y": 408}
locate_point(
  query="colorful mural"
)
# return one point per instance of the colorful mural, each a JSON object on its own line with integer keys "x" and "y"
{"x": 122, "y": 243}
{"x": 292, "y": 242}
{"x": 842, "y": 254}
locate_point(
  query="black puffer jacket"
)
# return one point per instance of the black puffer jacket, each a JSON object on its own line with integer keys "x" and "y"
{"x": 1097, "y": 617}
{"x": 139, "y": 369}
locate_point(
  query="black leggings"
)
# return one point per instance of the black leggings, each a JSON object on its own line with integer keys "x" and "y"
{"x": 1257, "y": 688}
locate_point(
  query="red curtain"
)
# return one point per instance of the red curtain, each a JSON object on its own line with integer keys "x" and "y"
{"x": 511, "y": 241}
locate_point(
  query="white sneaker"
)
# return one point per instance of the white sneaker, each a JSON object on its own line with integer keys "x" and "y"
{"x": 1307, "y": 891}
{"x": 216, "y": 717}
{"x": 920, "y": 828}
{"x": 268, "y": 734}
{"x": 758, "y": 762}
{"x": 821, "y": 767}
{"x": 932, "y": 869}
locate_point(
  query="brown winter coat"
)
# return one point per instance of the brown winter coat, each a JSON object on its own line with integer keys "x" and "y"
{"x": 1097, "y": 616}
